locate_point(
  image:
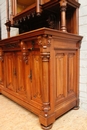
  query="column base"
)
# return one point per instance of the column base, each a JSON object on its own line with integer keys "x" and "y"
{"x": 76, "y": 108}
{"x": 46, "y": 127}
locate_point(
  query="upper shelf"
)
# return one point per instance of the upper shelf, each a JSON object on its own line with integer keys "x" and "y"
{"x": 31, "y": 9}
{"x": 55, "y": 14}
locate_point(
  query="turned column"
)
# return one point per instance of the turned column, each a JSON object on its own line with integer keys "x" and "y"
{"x": 44, "y": 43}
{"x": 38, "y": 7}
{"x": 63, "y": 5}
{"x": 15, "y": 7}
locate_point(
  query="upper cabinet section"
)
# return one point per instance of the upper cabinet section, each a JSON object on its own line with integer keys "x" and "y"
{"x": 23, "y": 4}
{"x": 29, "y": 15}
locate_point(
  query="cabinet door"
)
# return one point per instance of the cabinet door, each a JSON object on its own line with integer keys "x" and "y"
{"x": 10, "y": 71}
{"x": 23, "y": 71}
{"x": 36, "y": 77}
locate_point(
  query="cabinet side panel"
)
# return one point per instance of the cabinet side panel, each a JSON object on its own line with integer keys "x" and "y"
{"x": 71, "y": 72}
{"x": 61, "y": 75}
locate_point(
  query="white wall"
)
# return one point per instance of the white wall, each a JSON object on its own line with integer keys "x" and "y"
{"x": 13, "y": 31}
{"x": 3, "y": 18}
{"x": 83, "y": 53}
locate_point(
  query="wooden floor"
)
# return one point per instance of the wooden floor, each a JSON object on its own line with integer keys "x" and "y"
{"x": 14, "y": 117}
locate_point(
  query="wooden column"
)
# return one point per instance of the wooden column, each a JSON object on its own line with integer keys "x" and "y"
{"x": 14, "y": 7}
{"x": 15, "y": 1}
{"x": 11, "y": 15}
{"x": 38, "y": 9}
{"x": 44, "y": 42}
{"x": 63, "y": 5}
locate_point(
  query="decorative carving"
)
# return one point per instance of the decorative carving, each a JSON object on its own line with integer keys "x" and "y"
{"x": 13, "y": 45}
{"x": 46, "y": 108}
{"x": 28, "y": 16}
{"x": 51, "y": 21}
{"x": 45, "y": 56}
{"x": 24, "y": 52}
{"x": 44, "y": 40}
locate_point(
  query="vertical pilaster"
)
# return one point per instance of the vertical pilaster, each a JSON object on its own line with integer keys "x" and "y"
{"x": 46, "y": 119}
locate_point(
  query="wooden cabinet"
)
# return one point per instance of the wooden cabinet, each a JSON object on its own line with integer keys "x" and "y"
{"x": 42, "y": 77}
{"x": 39, "y": 69}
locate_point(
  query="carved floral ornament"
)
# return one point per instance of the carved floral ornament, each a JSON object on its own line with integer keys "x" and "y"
{"x": 44, "y": 40}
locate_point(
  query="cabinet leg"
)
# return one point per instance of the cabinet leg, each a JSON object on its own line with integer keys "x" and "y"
{"x": 77, "y": 105}
{"x": 0, "y": 93}
{"x": 76, "y": 108}
{"x": 47, "y": 122}
{"x": 46, "y": 127}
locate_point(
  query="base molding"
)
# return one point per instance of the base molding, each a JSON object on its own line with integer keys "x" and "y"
{"x": 46, "y": 127}
{"x": 76, "y": 108}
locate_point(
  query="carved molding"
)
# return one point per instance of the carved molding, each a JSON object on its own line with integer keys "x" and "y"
{"x": 44, "y": 41}
{"x": 46, "y": 108}
{"x": 45, "y": 56}
{"x": 24, "y": 51}
{"x": 14, "y": 45}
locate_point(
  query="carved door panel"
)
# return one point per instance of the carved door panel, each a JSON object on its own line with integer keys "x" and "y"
{"x": 36, "y": 77}
{"x": 65, "y": 74}
{"x": 10, "y": 71}
{"x": 23, "y": 71}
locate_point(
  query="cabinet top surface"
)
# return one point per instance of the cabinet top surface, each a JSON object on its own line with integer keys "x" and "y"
{"x": 40, "y": 32}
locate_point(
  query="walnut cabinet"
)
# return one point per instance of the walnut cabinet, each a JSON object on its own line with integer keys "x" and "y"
{"x": 39, "y": 68}
{"x": 40, "y": 71}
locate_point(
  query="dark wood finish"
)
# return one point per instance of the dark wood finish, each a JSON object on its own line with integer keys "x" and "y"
{"x": 40, "y": 71}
